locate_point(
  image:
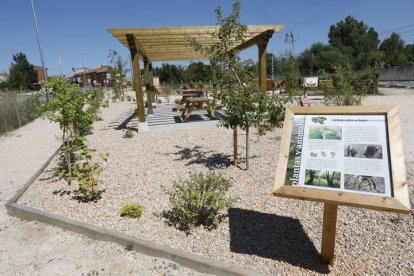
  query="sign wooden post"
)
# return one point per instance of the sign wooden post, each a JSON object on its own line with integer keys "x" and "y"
{"x": 342, "y": 156}
{"x": 330, "y": 212}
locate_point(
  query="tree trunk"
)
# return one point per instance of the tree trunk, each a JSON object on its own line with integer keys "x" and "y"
{"x": 330, "y": 179}
{"x": 67, "y": 156}
{"x": 311, "y": 177}
{"x": 235, "y": 146}
{"x": 247, "y": 148}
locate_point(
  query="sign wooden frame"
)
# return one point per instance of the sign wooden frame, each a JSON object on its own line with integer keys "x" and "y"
{"x": 399, "y": 202}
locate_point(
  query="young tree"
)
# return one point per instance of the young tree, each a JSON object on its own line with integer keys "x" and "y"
{"x": 74, "y": 110}
{"x": 392, "y": 50}
{"x": 292, "y": 76}
{"x": 246, "y": 104}
{"x": 118, "y": 71}
{"x": 349, "y": 88}
{"x": 22, "y": 73}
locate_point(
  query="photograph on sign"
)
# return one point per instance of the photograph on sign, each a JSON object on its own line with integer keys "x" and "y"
{"x": 343, "y": 155}
{"x": 340, "y": 152}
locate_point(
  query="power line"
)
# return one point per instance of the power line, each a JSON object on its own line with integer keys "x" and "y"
{"x": 397, "y": 29}
{"x": 401, "y": 33}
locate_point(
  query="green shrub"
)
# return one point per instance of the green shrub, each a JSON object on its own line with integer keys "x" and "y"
{"x": 199, "y": 200}
{"x": 128, "y": 134}
{"x": 132, "y": 210}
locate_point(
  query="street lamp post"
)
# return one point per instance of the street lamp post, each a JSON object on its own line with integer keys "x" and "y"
{"x": 83, "y": 67}
{"x": 39, "y": 44}
{"x": 411, "y": 76}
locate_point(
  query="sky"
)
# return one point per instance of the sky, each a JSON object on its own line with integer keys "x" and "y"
{"x": 77, "y": 29}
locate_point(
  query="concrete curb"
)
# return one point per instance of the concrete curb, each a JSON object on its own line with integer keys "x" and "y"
{"x": 192, "y": 261}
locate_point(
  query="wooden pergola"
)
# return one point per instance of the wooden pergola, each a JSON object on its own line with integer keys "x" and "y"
{"x": 171, "y": 43}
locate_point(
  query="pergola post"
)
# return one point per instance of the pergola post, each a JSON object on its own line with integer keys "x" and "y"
{"x": 148, "y": 69}
{"x": 137, "y": 84}
{"x": 214, "y": 79}
{"x": 262, "y": 63}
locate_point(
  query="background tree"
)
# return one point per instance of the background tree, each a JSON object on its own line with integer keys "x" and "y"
{"x": 22, "y": 73}
{"x": 355, "y": 40}
{"x": 118, "y": 71}
{"x": 409, "y": 53}
{"x": 320, "y": 57}
{"x": 279, "y": 65}
{"x": 197, "y": 72}
{"x": 392, "y": 50}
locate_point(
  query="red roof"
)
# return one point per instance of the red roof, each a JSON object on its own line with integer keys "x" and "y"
{"x": 101, "y": 69}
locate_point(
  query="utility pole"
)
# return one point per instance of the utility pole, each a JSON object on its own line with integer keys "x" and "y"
{"x": 411, "y": 76}
{"x": 290, "y": 39}
{"x": 273, "y": 67}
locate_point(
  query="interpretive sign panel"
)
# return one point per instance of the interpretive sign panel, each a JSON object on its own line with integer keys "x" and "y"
{"x": 343, "y": 155}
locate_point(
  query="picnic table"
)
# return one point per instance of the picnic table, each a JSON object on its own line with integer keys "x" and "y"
{"x": 195, "y": 103}
{"x": 187, "y": 93}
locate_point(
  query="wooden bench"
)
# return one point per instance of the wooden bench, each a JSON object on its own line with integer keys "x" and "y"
{"x": 180, "y": 107}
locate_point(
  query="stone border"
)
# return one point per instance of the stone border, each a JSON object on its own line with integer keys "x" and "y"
{"x": 192, "y": 261}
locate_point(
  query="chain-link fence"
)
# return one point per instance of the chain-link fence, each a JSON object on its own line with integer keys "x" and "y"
{"x": 397, "y": 76}
{"x": 17, "y": 109}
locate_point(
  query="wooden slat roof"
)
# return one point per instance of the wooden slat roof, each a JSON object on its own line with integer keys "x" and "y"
{"x": 170, "y": 43}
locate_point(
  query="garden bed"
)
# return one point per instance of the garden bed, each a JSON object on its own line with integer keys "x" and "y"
{"x": 262, "y": 232}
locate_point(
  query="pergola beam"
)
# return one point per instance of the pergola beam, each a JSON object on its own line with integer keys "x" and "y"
{"x": 171, "y": 43}
{"x": 133, "y": 42}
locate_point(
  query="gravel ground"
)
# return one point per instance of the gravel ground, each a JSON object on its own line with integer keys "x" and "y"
{"x": 34, "y": 248}
{"x": 262, "y": 232}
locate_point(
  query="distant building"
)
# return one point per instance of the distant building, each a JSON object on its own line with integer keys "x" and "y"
{"x": 91, "y": 77}
{"x": 4, "y": 77}
{"x": 40, "y": 76}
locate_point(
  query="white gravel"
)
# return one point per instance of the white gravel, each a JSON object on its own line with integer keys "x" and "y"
{"x": 264, "y": 233}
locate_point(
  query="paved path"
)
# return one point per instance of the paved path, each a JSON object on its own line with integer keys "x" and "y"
{"x": 34, "y": 248}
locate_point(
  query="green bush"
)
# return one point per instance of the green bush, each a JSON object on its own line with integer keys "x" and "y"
{"x": 132, "y": 210}
{"x": 128, "y": 134}
{"x": 199, "y": 200}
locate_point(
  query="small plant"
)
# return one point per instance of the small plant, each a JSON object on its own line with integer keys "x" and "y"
{"x": 88, "y": 174}
{"x": 133, "y": 210}
{"x": 129, "y": 247}
{"x": 320, "y": 120}
{"x": 313, "y": 154}
{"x": 128, "y": 134}
{"x": 333, "y": 154}
{"x": 199, "y": 200}
{"x": 396, "y": 220}
{"x": 323, "y": 154}
{"x": 129, "y": 98}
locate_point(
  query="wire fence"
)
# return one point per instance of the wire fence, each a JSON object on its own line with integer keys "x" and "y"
{"x": 17, "y": 109}
{"x": 399, "y": 76}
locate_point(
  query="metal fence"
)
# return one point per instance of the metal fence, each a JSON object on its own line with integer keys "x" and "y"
{"x": 17, "y": 109}
{"x": 397, "y": 76}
